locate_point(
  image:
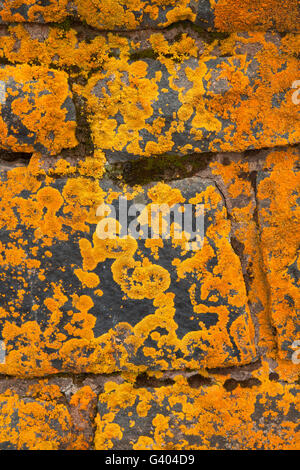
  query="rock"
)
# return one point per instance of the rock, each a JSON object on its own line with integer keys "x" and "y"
{"x": 157, "y": 106}
{"x": 121, "y": 327}
{"x": 42, "y": 419}
{"x": 33, "y": 10}
{"x": 36, "y": 110}
{"x": 278, "y": 196}
{"x": 261, "y": 416}
{"x": 74, "y": 302}
{"x": 224, "y": 15}
{"x": 262, "y": 194}
{"x": 168, "y": 95}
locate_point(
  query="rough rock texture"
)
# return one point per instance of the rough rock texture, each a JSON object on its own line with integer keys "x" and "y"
{"x": 238, "y": 415}
{"x": 278, "y": 195}
{"x": 223, "y": 15}
{"x": 139, "y": 302}
{"x": 149, "y": 342}
{"x": 37, "y": 111}
{"x": 155, "y": 106}
{"x": 51, "y": 414}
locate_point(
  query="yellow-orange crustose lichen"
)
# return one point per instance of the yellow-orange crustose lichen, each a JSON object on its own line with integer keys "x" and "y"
{"x": 32, "y": 10}
{"x": 110, "y": 14}
{"x": 242, "y": 15}
{"x": 178, "y": 417}
{"x": 270, "y": 247}
{"x": 65, "y": 48}
{"x": 246, "y": 232}
{"x": 224, "y": 15}
{"x": 207, "y": 100}
{"x": 71, "y": 302}
{"x": 34, "y": 110}
{"x": 196, "y": 105}
{"x": 39, "y": 421}
{"x": 199, "y": 333}
{"x": 279, "y": 217}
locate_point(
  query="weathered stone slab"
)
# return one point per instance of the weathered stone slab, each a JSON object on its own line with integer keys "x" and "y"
{"x": 37, "y": 416}
{"x": 80, "y": 303}
{"x": 188, "y": 96}
{"x": 224, "y": 15}
{"x": 156, "y": 106}
{"x": 278, "y": 195}
{"x": 33, "y": 10}
{"x": 180, "y": 416}
{"x": 47, "y": 45}
{"x": 261, "y": 190}
{"x": 36, "y": 110}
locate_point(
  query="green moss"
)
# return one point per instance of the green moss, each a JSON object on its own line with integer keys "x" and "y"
{"x": 144, "y": 54}
{"x": 150, "y": 54}
{"x": 164, "y": 167}
{"x": 209, "y": 36}
{"x": 65, "y": 25}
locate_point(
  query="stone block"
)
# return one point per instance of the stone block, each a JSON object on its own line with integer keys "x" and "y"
{"x": 261, "y": 416}
{"x": 224, "y": 15}
{"x": 80, "y": 303}
{"x": 156, "y": 106}
{"x": 278, "y": 196}
{"x": 36, "y": 110}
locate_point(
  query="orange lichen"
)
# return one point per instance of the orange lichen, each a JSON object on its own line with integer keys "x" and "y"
{"x": 280, "y": 220}
{"x": 247, "y": 234}
{"x": 38, "y": 103}
{"x": 44, "y": 391}
{"x": 83, "y": 398}
{"x": 242, "y": 15}
{"x": 48, "y": 211}
{"x": 55, "y": 11}
{"x": 233, "y": 118}
{"x": 206, "y": 418}
{"x": 73, "y": 302}
{"x": 42, "y": 424}
{"x": 123, "y": 14}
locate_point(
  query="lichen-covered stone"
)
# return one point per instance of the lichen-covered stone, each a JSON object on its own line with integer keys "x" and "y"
{"x": 156, "y": 106}
{"x": 36, "y": 110}
{"x": 224, "y": 15}
{"x": 261, "y": 190}
{"x": 184, "y": 341}
{"x": 41, "y": 418}
{"x": 50, "y": 45}
{"x": 71, "y": 301}
{"x": 278, "y": 196}
{"x": 263, "y": 415}
{"x": 166, "y": 94}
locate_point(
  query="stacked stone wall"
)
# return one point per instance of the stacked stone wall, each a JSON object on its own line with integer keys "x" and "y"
{"x": 149, "y": 343}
